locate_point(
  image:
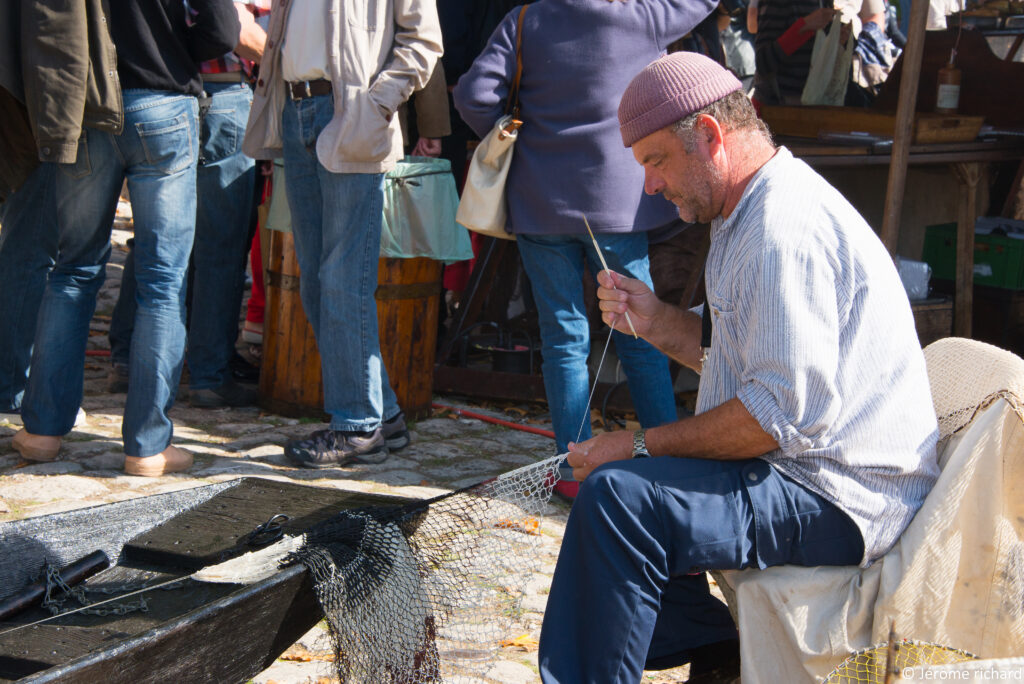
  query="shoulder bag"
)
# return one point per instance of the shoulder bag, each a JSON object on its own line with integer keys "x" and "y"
{"x": 482, "y": 206}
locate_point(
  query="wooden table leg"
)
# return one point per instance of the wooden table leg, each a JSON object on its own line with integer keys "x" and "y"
{"x": 968, "y": 174}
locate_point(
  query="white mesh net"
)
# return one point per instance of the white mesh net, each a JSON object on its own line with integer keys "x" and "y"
{"x": 966, "y": 376}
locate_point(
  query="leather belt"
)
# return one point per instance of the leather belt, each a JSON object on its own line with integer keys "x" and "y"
{"x": 224, "y": 77}
{"x": 300, "y": 90}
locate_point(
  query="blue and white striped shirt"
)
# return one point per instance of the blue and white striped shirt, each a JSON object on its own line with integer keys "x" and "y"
{"x": 814, "y": 334}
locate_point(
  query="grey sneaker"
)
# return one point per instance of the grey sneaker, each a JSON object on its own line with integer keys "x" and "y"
{"x": 229, "y": 394}
{"x": 334, "y": 448}
{"x": 396, "y": 434}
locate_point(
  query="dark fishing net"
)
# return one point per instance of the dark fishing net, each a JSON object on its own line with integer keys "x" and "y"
{"x": 426, "y": 592}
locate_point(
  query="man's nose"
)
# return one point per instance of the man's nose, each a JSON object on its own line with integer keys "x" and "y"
{"x": 653, "y": 183}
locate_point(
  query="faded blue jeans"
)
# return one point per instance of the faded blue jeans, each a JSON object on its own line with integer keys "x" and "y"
{"x": 554, "y": 264}
{"x": 157, "y": 153}
{"x": 336, "y": 222}
{"x": 28, "y": 249}
{"x": 629, "y": 587}
{"x": 225, "y": 184}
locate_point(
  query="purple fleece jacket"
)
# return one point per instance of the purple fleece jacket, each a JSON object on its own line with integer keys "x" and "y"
{"x": 578, "y": 58}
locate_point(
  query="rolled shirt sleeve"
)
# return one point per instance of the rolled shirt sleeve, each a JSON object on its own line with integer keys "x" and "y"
{"x": 792, "y": 361}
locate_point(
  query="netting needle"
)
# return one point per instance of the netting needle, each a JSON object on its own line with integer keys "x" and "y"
{"x": 604, "y": 263}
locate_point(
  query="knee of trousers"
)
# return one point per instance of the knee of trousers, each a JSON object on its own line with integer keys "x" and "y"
{"x": 618, "y": 495}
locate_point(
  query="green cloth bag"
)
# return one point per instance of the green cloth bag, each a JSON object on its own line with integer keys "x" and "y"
{"x": 420, "y": 201}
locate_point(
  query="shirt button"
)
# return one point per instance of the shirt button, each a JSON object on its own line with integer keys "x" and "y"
{"x": 260, "y": 82}
{"x": 752, "y": 477}
{"x": 270, "y": 44}
{"x": 46, "y": 151}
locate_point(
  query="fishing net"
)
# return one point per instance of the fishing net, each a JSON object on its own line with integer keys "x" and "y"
{"x": 426, "y": 591}
{"x": 869, "y": 665}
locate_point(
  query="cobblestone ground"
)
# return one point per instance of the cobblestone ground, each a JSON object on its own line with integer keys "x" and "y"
{"x": 446, "y": 453}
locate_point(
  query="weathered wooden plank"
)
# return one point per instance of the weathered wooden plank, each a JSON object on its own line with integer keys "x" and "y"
{"x": 217, "y": 529}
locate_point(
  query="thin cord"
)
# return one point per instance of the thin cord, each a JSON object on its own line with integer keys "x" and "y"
{"x": 91, "y": 605}
{"x": 586, "y": 413}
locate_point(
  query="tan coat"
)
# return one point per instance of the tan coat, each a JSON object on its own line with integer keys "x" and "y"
{"x": 378, "y": 53}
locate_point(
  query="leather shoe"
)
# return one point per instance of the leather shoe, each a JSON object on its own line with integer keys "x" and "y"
{"x": 36, "y": 447}
{"x": 170, "y": 460}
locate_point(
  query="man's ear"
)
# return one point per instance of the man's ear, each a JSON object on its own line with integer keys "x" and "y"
{"x": 710, "y": 130}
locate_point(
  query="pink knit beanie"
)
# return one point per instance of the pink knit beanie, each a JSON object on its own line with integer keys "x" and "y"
{"x": 669, "y": 89}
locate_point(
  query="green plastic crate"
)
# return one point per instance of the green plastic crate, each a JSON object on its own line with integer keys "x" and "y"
{"x": 998, "y": 260}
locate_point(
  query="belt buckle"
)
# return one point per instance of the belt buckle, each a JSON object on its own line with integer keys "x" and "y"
{"x": 291, "y": 90}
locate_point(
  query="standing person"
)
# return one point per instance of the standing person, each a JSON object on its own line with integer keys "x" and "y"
{"x": 783, "y": 45}
{"x": 569, "y": 162}
{"x": 814, "y": 439}
{"x": 333, "y": 76}
{"x": 158, "y": 45}
{"x": 225, "y": 182}
{"x": 71, "y": 62}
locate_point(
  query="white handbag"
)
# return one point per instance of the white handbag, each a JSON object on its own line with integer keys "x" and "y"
{"x": 482, "y": 205}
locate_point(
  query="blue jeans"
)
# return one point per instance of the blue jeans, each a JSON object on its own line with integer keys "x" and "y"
{"x": 624, "y": 590}
{"x": 157, "y": 152}
{"x": 28, "y": 250}
{"x": 554, "y": 264}
{"x": 336, "y": 221}
{"x": 225, "y": 186}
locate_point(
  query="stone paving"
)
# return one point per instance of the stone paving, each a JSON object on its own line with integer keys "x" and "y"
{"x": 447, "y": 452}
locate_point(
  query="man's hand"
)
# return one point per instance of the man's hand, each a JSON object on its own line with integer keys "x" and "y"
{"x": 252, "y": 39}
{"x": 618, "y": 294}
{"x": 427, "y": 147}
{"x": 818, "y": 19}
{"x": 606, "y": 447}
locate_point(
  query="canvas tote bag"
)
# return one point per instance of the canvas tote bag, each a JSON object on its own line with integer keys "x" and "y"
{"x": 482, "y": 207}
{"x": 830, "y": 67}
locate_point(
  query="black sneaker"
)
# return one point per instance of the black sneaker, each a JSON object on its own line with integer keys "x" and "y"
{"x": 242, "y": 370}
{"x": 228, "y": 394}
{"x": 333, "y": 448}
{"x": 396, "y": 434}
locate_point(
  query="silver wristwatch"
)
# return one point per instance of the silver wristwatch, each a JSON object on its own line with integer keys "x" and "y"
{"x": 640, "y": 444}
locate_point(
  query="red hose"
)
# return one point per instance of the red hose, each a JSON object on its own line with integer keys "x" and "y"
{"x": 496, "y": 421}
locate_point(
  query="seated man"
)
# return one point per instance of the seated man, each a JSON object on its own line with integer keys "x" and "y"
{"x": 814, "y": 439}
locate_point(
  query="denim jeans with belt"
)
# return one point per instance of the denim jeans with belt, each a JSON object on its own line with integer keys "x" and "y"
{"x": 336, "y": 222}
{"x": 629, "y": 586}
{"x": 28, "y": 249}
{"x": 157, "y": 153}
{"x": 554, "y": 264}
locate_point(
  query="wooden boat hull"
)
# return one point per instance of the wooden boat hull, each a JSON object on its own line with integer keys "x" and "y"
{"x": 193, "y": 633}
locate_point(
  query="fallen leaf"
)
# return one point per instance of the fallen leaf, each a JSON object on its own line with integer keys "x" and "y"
{"x": 529, "y": 525}
{"x": 299, "y": 654}
{"x": 524, "y": 642}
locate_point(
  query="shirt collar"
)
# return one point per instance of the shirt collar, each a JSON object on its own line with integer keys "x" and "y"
{"x": 720, "y": 225}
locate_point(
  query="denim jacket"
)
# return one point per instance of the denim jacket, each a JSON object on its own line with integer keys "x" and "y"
{"x": 58, "y": 66}
{"x": 378, "y": 53}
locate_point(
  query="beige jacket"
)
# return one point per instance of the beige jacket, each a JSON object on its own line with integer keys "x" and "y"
{"x": 378, "y": 51}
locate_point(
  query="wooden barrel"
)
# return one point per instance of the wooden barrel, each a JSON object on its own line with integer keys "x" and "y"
{"x": 290, "y": 381}
{"x": 408, "y": 301}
